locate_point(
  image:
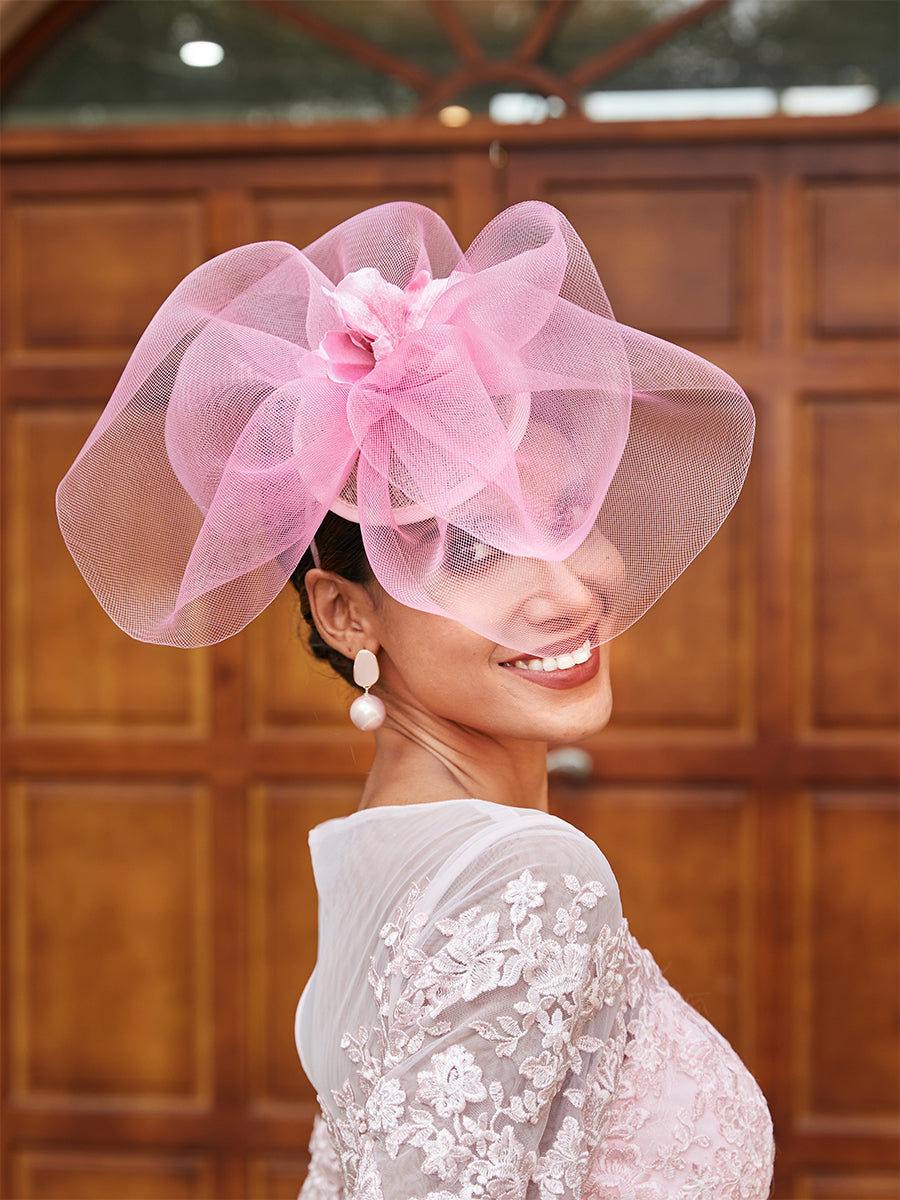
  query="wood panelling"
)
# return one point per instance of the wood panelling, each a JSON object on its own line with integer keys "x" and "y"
{"x": 277, "y": 1178}
{"x": 87, "y": 273}
{"x": 286, "y": 686}
{"x": 110, "y": 998}
{"x": 687, "y": 664}
{"x": 282, "y": 945}
{"x": 301, "y": 218}
{"x": 69, "y": 1175}
{"x": 689, "y": 895}
{"x": 654, "y": 245}
{"x": 158, "y": 903}
{"x": 848, "y": 1185}
{"x": 854, "y": 258}
{"x": 68, "y": 665}
{"x": 846, "y": 1023}
{"x": 848, "y": 620}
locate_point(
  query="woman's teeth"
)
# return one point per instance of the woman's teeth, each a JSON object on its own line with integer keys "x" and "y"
{"x": 562, "y": 662}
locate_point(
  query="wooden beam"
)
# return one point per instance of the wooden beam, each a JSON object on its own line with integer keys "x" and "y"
{"x": 533, "y": 77}
{"x": 39, "y": 36}
{"x": 545, "y": 24}
{"x": 641, "y": 44}
{"x": 45, "y": 146}
{"x": 450, "y": 20}
{"x": 348, "y": 43}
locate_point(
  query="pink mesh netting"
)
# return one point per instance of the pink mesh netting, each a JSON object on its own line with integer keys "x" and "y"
{"x": 516, "y": 458}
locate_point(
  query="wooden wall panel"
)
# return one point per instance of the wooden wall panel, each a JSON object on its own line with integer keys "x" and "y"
{"x": 283, "y": 917}
{"x": 126, "y": 254}
{"x": 688, "y": 663}
{"x": 848, "y": 1185}
{"x": 672, "y": 256}
{"x": 286, "y": 686}
{"x": 86, "y": 1175}
{"x": 846, "y": 1023}
{"x": 853, "y": 258}
{"x": 110, "y": 934}
{"x": 277, "y": 1178}
{"x": 53, "y": 619}
{"x": 743, "y": 792}
{"x": 300, "y": 217}
{"x": 848, "y": 624}
{"x": 689, "y": 894}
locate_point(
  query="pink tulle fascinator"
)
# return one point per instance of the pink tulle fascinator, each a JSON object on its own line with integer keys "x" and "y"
{"x": 516, "y": 458}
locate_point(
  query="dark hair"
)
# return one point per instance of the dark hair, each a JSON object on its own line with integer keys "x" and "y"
{"x": 340, "y": 546}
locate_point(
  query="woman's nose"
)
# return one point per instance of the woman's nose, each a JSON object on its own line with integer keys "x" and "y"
{"x": 559, "y": 593}
{"x": 584, "y": 587}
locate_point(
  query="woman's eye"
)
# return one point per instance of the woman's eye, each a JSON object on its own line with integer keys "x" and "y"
{"x": 480, "y": 551}
{"x": 570, "y": 512}
{"x": 465, "y": 551}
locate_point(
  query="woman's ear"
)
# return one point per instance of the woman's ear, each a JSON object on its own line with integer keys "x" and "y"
{"x": 344, "y": 612}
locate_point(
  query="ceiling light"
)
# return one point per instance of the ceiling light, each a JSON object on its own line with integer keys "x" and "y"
{"x": 201, "y": 54}
{"x": 680, "y": 104}
{"x": 454, "y": 116}
{"x": 828, "y": 101}
{"x": 522, "y": 108}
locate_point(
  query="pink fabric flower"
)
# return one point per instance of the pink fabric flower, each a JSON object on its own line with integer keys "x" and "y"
{"x": 376, "y": 315}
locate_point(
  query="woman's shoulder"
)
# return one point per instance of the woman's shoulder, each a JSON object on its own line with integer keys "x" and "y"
{"x": 530, "y": 839}
{"x": 464, "y": 822}
{"x": 458, "y": 847}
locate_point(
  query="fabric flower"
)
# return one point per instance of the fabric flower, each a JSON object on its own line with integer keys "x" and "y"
{"x": 441, "y": 1155}
{"x": 542, "y": 1071}
{"x": 523, "y": 893}
{"x": 385, "y": 1105}
{"x": 453, "y": 1081}
{"x": 568, "y": 923}
{"x": 376, "y": 315}
{"x": 558, "y": 969}
{"x": 470, "y": 962}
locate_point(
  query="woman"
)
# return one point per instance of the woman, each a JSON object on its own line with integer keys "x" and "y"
{"x": 476, "y": 478}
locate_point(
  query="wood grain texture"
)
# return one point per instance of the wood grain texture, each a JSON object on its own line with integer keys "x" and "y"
{"x": 61, "y": 1175}
{"x": 157, "y": 802}
{"x": 110, "y": 929}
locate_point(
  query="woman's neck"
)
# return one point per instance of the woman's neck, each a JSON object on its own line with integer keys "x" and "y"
{"x": 418, "y": 762}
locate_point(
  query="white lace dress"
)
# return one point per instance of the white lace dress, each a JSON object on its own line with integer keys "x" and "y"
{"x": 481, "y": 1024}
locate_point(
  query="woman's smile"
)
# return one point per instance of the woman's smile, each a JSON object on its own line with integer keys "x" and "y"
{"x": 560, "y": 671}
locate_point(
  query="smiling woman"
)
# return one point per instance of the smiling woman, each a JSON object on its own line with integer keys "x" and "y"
{"x": 476, "y": 477}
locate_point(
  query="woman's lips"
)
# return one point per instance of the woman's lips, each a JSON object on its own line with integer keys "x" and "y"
{"x": 569, "y": 677}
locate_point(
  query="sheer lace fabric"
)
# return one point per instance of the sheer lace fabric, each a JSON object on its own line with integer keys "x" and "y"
{"x": 481, "y": 1025}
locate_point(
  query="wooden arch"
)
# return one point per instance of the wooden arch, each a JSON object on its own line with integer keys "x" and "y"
{"x": 57, "y": 18}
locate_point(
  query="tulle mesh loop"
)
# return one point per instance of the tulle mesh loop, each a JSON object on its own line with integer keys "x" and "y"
{"x": 493, "y": 429}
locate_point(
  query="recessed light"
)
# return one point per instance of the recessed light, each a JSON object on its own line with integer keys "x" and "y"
{"x": 454, "y": 116}
{"x": 201, "y": 54}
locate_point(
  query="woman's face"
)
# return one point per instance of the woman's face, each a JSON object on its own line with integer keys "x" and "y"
{"x": 442, "y": 668}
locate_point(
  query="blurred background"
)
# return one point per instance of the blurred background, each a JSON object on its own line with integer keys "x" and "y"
{"x": 732, "y": 167}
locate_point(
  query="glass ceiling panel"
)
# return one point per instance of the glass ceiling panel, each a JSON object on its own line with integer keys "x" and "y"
{"x": 598, "y": 25}
{"x": 499, "y": 25}
{"x": 776, "y": 44}
{"x": 406, "y": 28}
{"x": 121, "y": 63}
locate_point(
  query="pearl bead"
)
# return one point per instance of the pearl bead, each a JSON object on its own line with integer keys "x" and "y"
{"x": 367, "y": 712}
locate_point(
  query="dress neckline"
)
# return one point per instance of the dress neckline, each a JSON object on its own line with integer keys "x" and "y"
{"x": 334, "y": 823}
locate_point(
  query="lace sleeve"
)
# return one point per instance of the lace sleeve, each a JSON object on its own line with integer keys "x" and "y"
{"x": 323, "y": 1180}
{"x": 498, "y": 1040}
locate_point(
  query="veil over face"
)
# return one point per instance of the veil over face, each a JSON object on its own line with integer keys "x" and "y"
{"x": 478, "y": 414}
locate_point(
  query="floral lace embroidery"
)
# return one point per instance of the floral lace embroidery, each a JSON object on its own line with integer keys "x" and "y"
{"x": 566, "y": 981}
{"x": 688, "y": 1119}
{"x": 517, "y": 1098}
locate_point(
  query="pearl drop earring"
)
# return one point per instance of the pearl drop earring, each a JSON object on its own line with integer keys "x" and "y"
{"x": 366, "y": 712}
